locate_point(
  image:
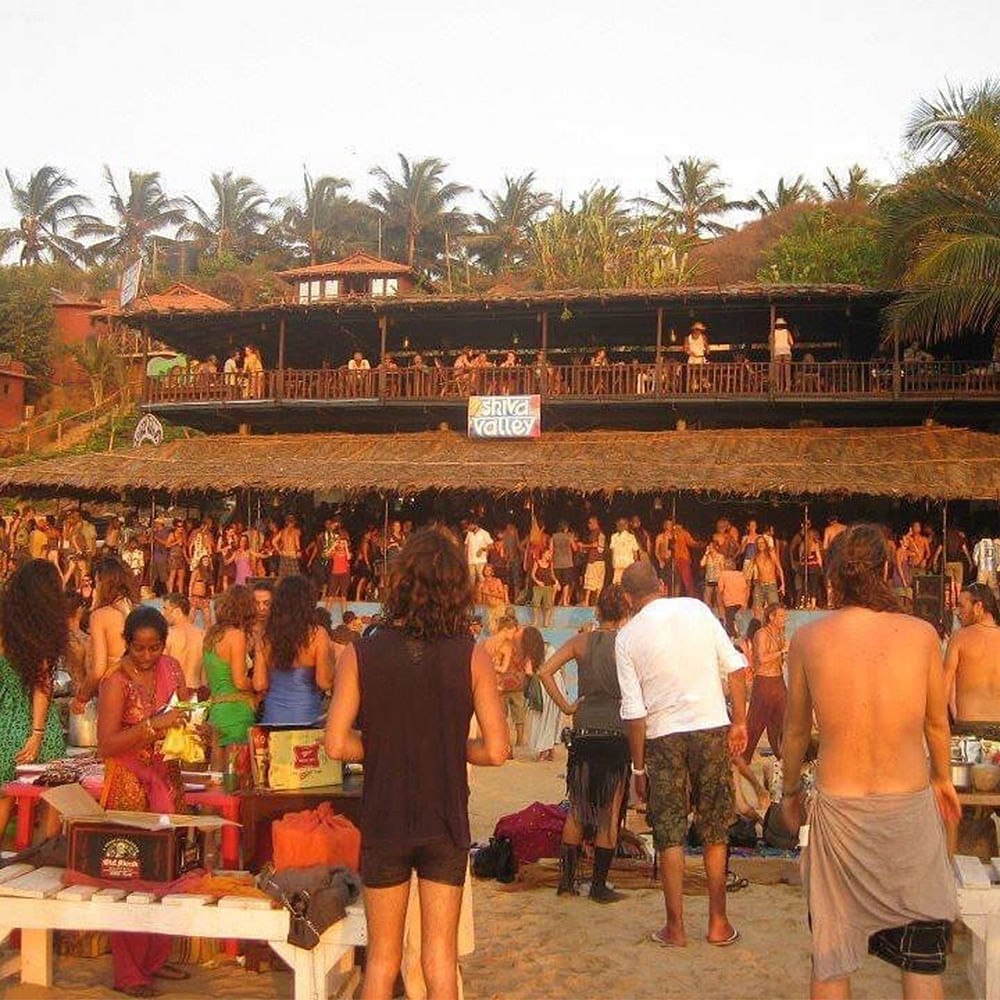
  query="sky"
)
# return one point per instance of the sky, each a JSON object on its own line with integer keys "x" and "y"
{"x": 581, "y": 91}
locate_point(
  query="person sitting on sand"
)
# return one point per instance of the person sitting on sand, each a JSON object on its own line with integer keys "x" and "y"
{"x": 597, "y": 771}
{"x": 876, "y": 870}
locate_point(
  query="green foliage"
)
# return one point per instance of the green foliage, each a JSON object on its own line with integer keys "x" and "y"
{"x": 100, "y": 361}
{"x": 236, "y": 220}
{"x": 693, "y": 199}
{"x": 501, "y": 236}
{"x": 823, "y": 246}
{"x": 785, "y": 193}
{"x": 26, "y": 318}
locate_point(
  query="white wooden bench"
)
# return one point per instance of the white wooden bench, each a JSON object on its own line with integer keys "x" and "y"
{"x": 36, "y": 905}
{"x": 979, "y": 909}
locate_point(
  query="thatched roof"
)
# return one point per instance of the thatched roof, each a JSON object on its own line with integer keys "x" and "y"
{"x": 919, "y": 462}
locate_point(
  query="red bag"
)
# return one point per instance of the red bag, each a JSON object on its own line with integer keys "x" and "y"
{"x": 316, "y": 837}
{"x": 534, "y": 832}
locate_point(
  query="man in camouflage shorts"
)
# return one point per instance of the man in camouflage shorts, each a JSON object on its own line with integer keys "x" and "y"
{"x": 669, "y": 658}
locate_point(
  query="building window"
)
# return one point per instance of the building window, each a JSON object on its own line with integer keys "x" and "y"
{"x": 303, "y": 292}
{"x": 384, "y": 286}
{"x": 331, "y": 288}
{"x": 391, "y": 286}
{"x": 6, "y": 388}
{"x": 314, "y": 291}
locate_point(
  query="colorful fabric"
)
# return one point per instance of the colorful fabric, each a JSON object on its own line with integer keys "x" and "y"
{"x": 234, "y": 716}
{"x": 16, "y": 723}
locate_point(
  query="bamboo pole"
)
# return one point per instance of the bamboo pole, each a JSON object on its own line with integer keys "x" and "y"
{"x": 659, "y": 348}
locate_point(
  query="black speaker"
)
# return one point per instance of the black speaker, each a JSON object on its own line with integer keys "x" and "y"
{"x": 928, "y": 598}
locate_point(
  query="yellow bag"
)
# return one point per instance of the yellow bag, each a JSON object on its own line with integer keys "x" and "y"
{"x": 183, "y": 744}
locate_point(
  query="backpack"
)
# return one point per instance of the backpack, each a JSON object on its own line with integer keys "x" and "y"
{"x": 775, "y": 832}
{"x": 495, "y": 860}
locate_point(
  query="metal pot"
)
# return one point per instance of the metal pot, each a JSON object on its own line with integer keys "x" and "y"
{"x": 961, "y": 775}
{"x": 83, "y": 726}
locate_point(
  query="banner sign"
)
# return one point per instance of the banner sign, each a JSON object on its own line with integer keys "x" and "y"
{"x": 505, "y": 416}
{"x": 130, "y": 283}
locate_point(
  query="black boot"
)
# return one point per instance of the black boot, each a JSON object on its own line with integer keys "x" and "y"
{"x": 567, "y": 864}
{"x": 599, "y": 891}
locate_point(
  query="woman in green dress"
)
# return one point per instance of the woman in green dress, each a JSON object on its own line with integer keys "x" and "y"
{"x": 224, "y": 659}
{"x": 35, "y": 634}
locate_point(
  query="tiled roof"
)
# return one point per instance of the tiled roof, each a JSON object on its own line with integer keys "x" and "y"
{"x": 356, "y": 263}
{"x": 177, "y": 298}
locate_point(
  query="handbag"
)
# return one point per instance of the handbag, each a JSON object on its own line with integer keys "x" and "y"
{"x": 533, "y": 697}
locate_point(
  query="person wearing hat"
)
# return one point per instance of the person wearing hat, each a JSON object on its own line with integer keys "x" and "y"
{"x": 696, "y": 349}
{"x": 781, "y": 354}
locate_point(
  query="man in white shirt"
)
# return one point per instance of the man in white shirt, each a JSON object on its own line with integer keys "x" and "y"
{"x": 670, "y": 657}
{"x": 477, "y": 543}
{"x": 781, "y": 354}
{"x": 624, "y": 549}
{"x": 985, "y": 556}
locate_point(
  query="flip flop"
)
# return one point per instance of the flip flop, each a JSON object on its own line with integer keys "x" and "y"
{"x": 663, "y": 942}
{"x": 732, "y": 939}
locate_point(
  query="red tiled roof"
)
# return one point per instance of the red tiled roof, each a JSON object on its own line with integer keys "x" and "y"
{"x": 177, "y": 298}
{"x": 61, "y": 298}
{"x": 356, "y": 263}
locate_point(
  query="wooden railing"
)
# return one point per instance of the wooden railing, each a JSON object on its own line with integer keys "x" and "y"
{"x": 668, "y": 380}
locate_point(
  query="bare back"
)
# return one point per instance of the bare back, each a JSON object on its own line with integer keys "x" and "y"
{"x": 184, "y": 644}
{"x": 868, "y": 675}
{"x": 974, "y": 663}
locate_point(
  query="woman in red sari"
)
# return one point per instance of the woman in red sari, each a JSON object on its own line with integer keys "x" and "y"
{"x": 132, "y": 717}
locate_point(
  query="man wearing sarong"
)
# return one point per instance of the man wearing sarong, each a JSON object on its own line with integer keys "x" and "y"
{"x": 972, "y": 665}
{"x": 876, "y": 870}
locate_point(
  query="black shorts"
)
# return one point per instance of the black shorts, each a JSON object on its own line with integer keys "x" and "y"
{"x": 441, "y": 861}
{"x": 920, "y": 946}
{"x": 339, "y": 584}
{"x": 566, "y": 577}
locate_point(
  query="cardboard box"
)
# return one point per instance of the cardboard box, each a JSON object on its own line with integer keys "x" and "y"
{"x": 117, "y": 845}
{"x": 291, "y": 759}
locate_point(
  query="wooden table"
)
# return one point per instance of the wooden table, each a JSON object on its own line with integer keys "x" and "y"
{"x": 258, "y": 806}
{"x": 26, "y": 797}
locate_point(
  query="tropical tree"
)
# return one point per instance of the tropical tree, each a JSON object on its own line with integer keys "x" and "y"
{"x": 321, "y": 220}
{"x": 502, "y": 234}
{"x": 694, "y": 199}
{"x": 943, "y": 221}
{"x": 26, "y": 316}
{"x": 139, "y": 213}
{"x": 237, "y": 219}
{"x": 799, "y": 191}
{"x": 49, "y": 211}
{"x": 100, "y": 361}
{"x": 857, "y": 186}
{"x": 418, "y": 207}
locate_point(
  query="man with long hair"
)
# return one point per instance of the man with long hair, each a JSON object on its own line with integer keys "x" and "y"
{"x": 417, "y": 680}
{"x": 876, "y": 869}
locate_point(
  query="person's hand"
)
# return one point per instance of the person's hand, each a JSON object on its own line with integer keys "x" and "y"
{"x": 947, "y": 801}
{"x": 167, "y": 720}
{"x": 641, "y": 787}
{"x": 572, "y": 707}
{"x": 737, "y": 739}
{"x": 793, "y": 813}
{"x": 28, "y": 754}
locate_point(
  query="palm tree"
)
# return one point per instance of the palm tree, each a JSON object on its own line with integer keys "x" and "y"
{"x": 857, "y": 186}
{"x": 144, "y": 211}
{"x": 800, "y": 191}
{"x": 317, "y": 221}
{"x": 943, "y": 221}
{"x": 237, "y": 218}
{"x": 48, "y": 209}
{"x": 693, "y": 199}
{"x": 501, "y": 238}
{"x": 100, "y": 362}
{"x": 419, "y": 204}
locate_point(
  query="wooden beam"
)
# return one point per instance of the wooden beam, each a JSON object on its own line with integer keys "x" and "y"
{"x": 544, "y": 320}
{"x": 383, "y": 329}
{"x": 145, "y": 361}
{"x": 895, "y": 364}
{"x": 280, "y": 387}
{"x": 659, "y": 348}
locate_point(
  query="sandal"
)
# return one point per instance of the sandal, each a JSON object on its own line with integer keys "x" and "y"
{"x": 657, "y": 938}
{"x": 732, "y": 939}
{"x": 170, "y": 971}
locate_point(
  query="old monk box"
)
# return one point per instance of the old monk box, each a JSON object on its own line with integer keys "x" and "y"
{"x": 119, "y": 846}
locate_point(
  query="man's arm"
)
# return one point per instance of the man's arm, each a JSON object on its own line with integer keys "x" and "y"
{"x": 633, "y": 712}
{"x": 951, "y": 658}
{"x": 569, "y": 650}
{"x": 938, "y": 734}
{"x": 795, "y": 737}
{"x": 343, "y": 741}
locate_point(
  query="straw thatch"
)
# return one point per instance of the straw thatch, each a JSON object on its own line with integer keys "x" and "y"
{"x": 917, "y": 462}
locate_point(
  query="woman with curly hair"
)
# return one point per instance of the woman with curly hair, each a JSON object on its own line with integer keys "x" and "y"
{"x": 294, "y": 661}
{"x": 224, "y": 659}
{"x": 114, "y": 598}
{"x": 35, "y": 635}
{"x": 417, "y": 681}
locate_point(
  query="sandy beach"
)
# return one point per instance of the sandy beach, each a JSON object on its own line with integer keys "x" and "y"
{"x": 531, "y": 944}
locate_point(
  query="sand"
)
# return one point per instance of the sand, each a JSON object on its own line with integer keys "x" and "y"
{"x": 531, "y": 944}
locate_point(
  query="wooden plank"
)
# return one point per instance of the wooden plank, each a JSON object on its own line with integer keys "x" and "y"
{"x": 140, "y": 898}
{"x": 992, "y": 983}
{"x": 38, "y": 884}
{"x": 78, "y": 892}
{"x": 36, "y": 956}
{"x": 110, "y": 895}
{"x": 244, "y": 903}
{"x": 11, "y": 872}
{"x": 187, "y": 899}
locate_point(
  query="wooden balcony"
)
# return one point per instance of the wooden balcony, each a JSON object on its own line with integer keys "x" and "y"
{"x": 670, "y": 382}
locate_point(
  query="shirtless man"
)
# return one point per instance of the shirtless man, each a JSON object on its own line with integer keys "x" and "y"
{"x": 833, "y": 528}
{"x": 876, "y": 865}
{"x": 288, "y": 542}
{"x": 184, "y": 639}
{"x": 916, "y": 547}
{"x": 972, "y": 664}
{"x": 769, "y": 579}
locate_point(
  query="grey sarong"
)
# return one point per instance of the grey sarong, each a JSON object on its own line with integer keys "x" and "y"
{"x": 872, "y": 863}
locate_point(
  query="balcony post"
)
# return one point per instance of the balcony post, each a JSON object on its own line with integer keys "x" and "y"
{"x": 145, "y": 363}
{"x": 543, "y": 318}
{"x": 659, "y": 351}
{"x": 383, "y": 329}
{"x": 279, "y": 389}
{"x": 895, "y": 364}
